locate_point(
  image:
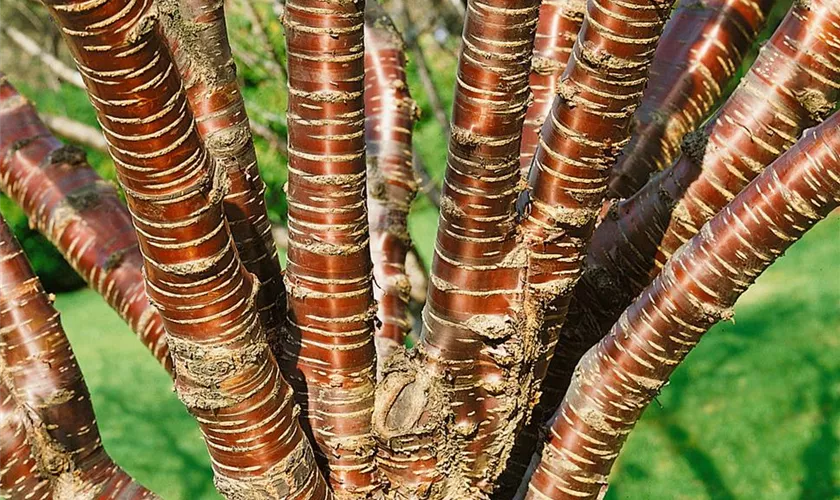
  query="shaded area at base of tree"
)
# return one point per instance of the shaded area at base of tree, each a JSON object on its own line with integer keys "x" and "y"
{"x": 754, "y": 412}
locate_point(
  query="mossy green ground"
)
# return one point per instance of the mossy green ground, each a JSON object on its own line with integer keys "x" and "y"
{"x": 753, "y": 413}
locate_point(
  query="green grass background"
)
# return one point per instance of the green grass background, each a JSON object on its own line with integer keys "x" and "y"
{"x": 754, "y": 412}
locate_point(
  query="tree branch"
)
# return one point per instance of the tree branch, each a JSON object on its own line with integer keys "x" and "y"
{"x": 329, "y": 349}
{"x": 38, "y": 364}
{"x": 197, "y": 35}
{"x": 788, "y": 89}
{"x": 390, "y": 113}
{"x": 81, "y": 214}
{"x": 33, "y": 48}
{"x": 702, "y": 48}
{"x": 616, "y": 380}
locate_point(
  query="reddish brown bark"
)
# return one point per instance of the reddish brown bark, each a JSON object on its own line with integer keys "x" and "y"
{"x": 701, "y": 49}
{"x": 78, "y": 212}
{"x": 791, "y": 86}
{"x": 557, "y": 28}
{"x": 587, "y": 127}
{"x": 390, "y": 113}
{"x": 617, "y": 379}
{"x": 226, "y": 374}
{"x": 197, "y": 35}
{"x": 446, "y": 414}
{"x": 20, "y": 478}
{"x": 330, "y": 354}
{"x": 37, "y": 363}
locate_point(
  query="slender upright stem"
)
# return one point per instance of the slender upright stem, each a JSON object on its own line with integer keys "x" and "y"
{"x": 330, "y": 354}
{"x": 448, "y": 414}
{"x": 617, "y": 379}
{"x": 390, "y": 113}
{"x": 557, "y": 29}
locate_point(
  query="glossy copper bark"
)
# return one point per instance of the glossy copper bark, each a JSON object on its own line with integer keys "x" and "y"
{"x": 226, "y": 374}
{"x": 44, "y": 380}
{"x": 557, "y": 28}
{"x": 616, "y": 380}
{"x": 587, "y": 127}
{"x": 330, "y": 354}
{"x": 792, "y": 84}
{"x": 81, "y": 214}
{"x": 196, "y": 33}
{"x": 449, "y": 412}
{"x": 701, "y": 50}
{"x": 20, "y": 478}
{"x": 390, "y": 113}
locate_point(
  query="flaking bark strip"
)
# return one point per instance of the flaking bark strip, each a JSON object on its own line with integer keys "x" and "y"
{"x": 48, "y": 390}
{"x": 40, "y": 178}
{"x": 701, "y": 49}
{"x": 618, "y": 378}
{"x": 193, "y": 272}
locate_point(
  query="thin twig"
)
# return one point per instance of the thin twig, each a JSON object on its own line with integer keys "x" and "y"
{"x": 258, "y": 30}
{"x": 33, "y": 48}
{"x": 78, "y": 132}
{"x": 428, "y": 186}
{"x": 264, "y": 132}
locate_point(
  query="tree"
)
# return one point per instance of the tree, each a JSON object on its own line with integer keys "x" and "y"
{"x": 300, "y": 381}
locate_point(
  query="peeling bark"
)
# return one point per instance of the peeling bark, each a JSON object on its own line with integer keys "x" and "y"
{"x": 20, "y": 477}
{"x": 329, "y": 347}
{"x": 390, "y": 113}
{"x": 81, "y": 214}
{"x": 701, "y": 50}
{"x": 557, "y": 28}
{"x": 38, "y": 367}
{"x": 197, "y": 36}
{"x": 793, "y": 83}
{"x": 226, "y": 374}
{"x": 446, "y": 412}
{"x": 616, "y": 380}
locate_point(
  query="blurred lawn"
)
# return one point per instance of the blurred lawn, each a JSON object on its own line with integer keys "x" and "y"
{"x": 754, "y": 413}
